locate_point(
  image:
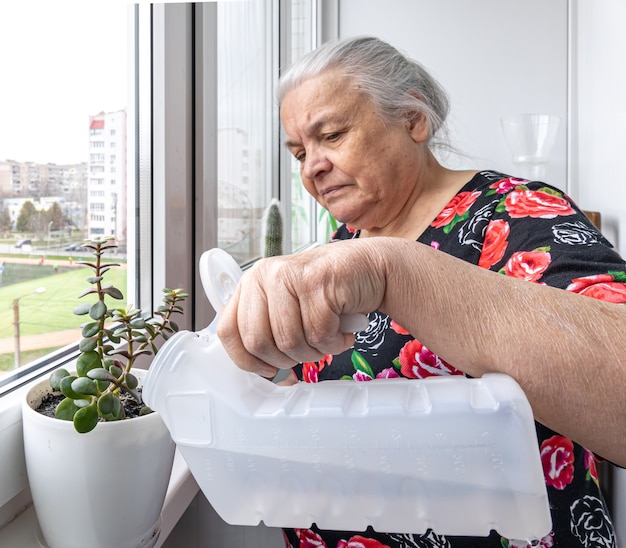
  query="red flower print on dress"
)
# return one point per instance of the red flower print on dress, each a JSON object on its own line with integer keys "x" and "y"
{"x": 310, "y": 539}
{"x": 602, "y": 287}
{"x": 456, "y": 210}
{"x": 361, "y": 542}
{"x": 495, "y": 243}
{"x": 590, "y": 465}
{"x": 389, "y": 373}
{"x": 310, "y": 370}
{"x": 527, "y": 265}
{"x": 361, "y": 376}
{"x": 557, "y": 458}
{"x": 417, "y": 362}
{"x": 506, "y": 185}
{"x": 536, "y": 203}
{"x": 398, "y": 328}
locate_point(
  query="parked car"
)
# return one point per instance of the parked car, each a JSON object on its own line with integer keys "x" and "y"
{"x": 23, "y": 242}
{"x": 74, "y": 247}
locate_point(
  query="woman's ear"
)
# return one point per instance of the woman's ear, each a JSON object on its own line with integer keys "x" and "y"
{"x": 417, "y": 123}
{"x": 418, "y": 126}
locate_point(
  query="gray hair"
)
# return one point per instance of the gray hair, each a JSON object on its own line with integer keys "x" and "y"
{"x": 395, "y": 84}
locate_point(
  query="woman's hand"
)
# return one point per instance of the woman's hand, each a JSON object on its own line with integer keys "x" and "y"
{"x": 287, "y": 309}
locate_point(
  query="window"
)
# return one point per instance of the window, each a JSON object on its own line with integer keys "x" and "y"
{"x": 51, "y": 134}
{"x": 224, "y": 119}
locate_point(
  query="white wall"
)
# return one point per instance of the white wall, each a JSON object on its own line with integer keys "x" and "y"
{"x": 600, "y": 110}
{"x": 494, "y": 57}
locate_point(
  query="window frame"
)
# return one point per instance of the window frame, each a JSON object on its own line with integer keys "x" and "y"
{"x": 172, "y": 196}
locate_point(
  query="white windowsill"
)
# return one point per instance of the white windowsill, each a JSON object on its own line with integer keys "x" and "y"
{"x": 22, "y": 531}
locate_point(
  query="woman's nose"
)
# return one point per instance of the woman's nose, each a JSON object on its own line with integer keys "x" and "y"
{"x": 315, "y": 164}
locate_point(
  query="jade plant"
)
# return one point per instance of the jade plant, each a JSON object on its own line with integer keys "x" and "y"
{"x": 112, "y": 340}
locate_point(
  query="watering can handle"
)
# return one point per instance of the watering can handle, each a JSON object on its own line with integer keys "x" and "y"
{"x": 220, "y": 274}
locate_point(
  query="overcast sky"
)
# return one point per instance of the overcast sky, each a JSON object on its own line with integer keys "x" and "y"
{"x": 60, "y": 61}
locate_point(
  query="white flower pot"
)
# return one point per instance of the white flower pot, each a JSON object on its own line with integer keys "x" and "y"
{"x": 103, "y": 489}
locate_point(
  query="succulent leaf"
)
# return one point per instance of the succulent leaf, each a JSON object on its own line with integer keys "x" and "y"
{"x": 82, "y": 309}
{"x": 88, "y": 344}
{"x": 131, "y": 381}
{"x": 106, "y": 404}
{"x": 86, "y": 419}
{"x": 98, "y": 310}
{"x": 66, "y": 410}
{"x": 90, "y": 291}
{"x": 55, "y": 378}
{"x": 84, "y": 385}
{"x": 90, "y": 329}
{"x": 66, "y": 387}
{"x": 100, "y": 374}
{"x": 87, "y": 361}
{"x": 135, "y": 394}
{"x": 118, "y": 409}
{"x": 113, "y": 292}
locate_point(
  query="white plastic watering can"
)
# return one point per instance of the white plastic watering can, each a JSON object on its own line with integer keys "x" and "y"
{"x": 451, "y": 454}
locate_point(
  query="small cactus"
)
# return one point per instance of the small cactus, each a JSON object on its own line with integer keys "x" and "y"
{"x": 273, "y": 236}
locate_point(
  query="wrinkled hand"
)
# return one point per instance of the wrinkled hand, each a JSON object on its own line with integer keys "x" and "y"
{"x": 287, "y": 309}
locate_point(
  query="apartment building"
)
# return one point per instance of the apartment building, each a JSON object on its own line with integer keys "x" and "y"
{"x": 35, "y": 180}
{"x": 106, "y": 182}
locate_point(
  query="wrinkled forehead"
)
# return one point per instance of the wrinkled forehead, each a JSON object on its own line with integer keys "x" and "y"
{"x": 319, "y": 101}
{"x": 329, "y": 90}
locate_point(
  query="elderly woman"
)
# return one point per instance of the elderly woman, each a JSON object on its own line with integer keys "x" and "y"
{"x": 361, "y": 119}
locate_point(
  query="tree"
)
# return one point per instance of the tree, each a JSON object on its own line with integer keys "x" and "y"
{"x": 55, "y": 215}
{"x": 27, "y": 218}
{"x": 5, "y": 219}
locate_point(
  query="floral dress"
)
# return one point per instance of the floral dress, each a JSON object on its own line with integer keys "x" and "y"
{"x": 526, "y": 230}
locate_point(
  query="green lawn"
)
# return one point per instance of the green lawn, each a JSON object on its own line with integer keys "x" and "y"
{"x": 51, "y": 310}
{"x": 7, "y": 361}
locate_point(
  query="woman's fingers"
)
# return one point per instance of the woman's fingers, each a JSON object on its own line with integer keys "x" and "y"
{"x": 266, "y": 325}
{"x": 230, "y": 337}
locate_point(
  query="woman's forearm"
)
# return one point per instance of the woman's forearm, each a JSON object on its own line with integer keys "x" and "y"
{"x": 568, "y": 352}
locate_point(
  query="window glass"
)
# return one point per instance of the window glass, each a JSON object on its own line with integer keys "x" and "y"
{"x": 245, "y": 145}
{"x": 63, "y": 109}
{"x": 302, "y": 204}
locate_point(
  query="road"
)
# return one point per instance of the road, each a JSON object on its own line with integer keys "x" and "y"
{"x": 45, "y": 340}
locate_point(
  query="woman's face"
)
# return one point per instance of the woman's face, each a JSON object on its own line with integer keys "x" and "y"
{"x": 357, "y": 167}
